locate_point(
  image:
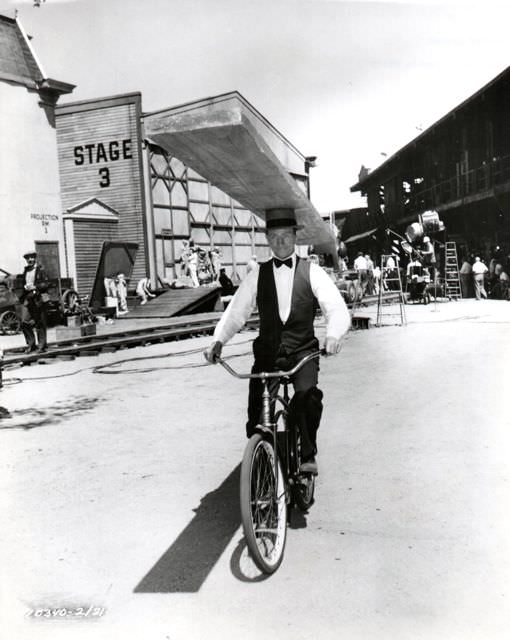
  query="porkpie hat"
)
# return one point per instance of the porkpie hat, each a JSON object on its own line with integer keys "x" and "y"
{"x": 281, "y": 217}
{"x": 29, "y": 254}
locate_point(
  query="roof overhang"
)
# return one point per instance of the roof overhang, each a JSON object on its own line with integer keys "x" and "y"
{"x": 377, "y": 175}
{"x": 231, "y": 145}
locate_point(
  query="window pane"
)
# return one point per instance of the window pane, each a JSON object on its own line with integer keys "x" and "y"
{"x": 260, "y": 238}
{"x": 159, "y": 164}
{"x": 243, "y": 254}
{"x": 242, "y": 217}
{"x": 198, "y": 190}
{"x": 227, "y": 254}
{"x": 221, "y": 237}
{"x": 199, "y": 212}
{"x": 242, "y": 237}
{"x": 258, "y": 220}
{"x": 160, "y": 193}
{"x": 161, "y": 220}
{"x": 180, "y": 223}
{"x": 200, "y": 236}
{"x": 222, "y": 216}
{"x": 179, "y": 195}
{"x": 219, "y": 197}
{"x": 177, "y": 167}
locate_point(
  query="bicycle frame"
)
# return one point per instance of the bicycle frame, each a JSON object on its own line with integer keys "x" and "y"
{"x": 269, "y": 425}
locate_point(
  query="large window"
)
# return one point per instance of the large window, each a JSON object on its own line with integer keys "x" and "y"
{"x": 186, "y": 206}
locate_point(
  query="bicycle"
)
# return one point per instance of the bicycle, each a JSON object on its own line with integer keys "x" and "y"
{"x": 271, "y": 481}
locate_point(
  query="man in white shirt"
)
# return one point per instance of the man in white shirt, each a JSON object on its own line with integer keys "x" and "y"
{"x": 479, "y": 269}
{"x": 361, "y": 266}
{"x": 286, "y": 290}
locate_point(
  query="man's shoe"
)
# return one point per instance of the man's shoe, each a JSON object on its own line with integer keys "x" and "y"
{"x": 30, "y": 349}
{"x": 310, "y": 466}
{"x": 42, "y": 349}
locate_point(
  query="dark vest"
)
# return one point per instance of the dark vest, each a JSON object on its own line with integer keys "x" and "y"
{"x": 296, "y": 336}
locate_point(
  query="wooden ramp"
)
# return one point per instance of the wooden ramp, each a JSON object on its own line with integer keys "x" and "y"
{"x": 178, "y": 302}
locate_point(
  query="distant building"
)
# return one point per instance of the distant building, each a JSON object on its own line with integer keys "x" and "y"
{"x": 460, "y": 167}
{"x": 121, "y": 181}
{"x": 76, "y": 175}
{"x": 30, "y": 203}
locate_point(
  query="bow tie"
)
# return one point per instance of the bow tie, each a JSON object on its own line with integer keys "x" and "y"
{"x": 278, "y": 263}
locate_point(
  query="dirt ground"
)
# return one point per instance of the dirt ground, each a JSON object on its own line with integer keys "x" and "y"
{"x": 119, "y": 493}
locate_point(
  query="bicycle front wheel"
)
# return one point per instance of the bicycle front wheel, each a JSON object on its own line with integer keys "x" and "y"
{"x": 263, "y": 504}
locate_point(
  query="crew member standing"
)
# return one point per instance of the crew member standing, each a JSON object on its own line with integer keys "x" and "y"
{"x": 34, "y": 299}
{"x": 286, "y": 290}
{"x": 361, "y": 266}
{"x": 479, "y": 269}
{"x": 193, "y": 263}
{"x": 429, "y": 257}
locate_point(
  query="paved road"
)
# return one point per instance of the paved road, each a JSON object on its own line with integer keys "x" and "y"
{"x": 119, "y": 491}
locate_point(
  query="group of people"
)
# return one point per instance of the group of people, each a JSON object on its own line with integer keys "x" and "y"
{"x": 201, "y": 266}
{"x": 370, "y": 275}
{"x": 490, "y": 280}
{"x": 116, "y": 288}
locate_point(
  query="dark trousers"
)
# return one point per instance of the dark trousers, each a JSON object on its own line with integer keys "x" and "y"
{"x": 305, "y": 408}
{"x": 466, "y": 285}
{"x": 34, "y": 318}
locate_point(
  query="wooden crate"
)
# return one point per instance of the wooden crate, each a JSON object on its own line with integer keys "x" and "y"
{"x": 71, "y": 333}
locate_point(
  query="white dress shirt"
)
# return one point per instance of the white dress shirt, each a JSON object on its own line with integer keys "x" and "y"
{"x": 244, "y": 301}
{"x": 361, "y": 264}
{"x": 30, "y": 277}
{"x": 479, "y": 267}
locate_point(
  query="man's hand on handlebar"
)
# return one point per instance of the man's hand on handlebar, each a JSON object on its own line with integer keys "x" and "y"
{"x": 331, "y": 346}
{"x": 212, "y": 353}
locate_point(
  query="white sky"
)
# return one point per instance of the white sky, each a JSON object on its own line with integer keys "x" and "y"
{"x": 343, "y": 80}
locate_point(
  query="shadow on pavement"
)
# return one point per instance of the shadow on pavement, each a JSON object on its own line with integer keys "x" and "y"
{"x": 184, "y": 567}
{"x": 41, "y": 417}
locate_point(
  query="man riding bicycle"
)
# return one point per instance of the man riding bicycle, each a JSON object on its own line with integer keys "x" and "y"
{"x": 286, "y": 290}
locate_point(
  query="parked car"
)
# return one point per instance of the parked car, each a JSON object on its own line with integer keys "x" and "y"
{"x": 9, "y": 317}
{"x": 348, "y": 284}
{"x": 62, "y": 298}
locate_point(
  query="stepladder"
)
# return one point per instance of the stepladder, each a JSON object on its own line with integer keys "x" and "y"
{"x": 390, "y": 301}
{"x": 451, "y": 272}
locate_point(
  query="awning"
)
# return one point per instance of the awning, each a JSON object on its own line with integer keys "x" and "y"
{"x": 231, "y": 145}
{"x": 360, "y": 236}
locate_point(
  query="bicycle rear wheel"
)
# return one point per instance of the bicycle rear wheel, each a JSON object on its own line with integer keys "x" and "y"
{"x": 263, "y": 504}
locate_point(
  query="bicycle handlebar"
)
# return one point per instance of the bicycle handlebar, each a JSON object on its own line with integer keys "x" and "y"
{"x": 270, "y": 374}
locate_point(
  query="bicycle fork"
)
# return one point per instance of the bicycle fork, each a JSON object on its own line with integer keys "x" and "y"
{"x": 270, "y": 426}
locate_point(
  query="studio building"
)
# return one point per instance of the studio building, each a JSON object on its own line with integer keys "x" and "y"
{"x": 459, "y": 167}
{"x": 75, "y": 175}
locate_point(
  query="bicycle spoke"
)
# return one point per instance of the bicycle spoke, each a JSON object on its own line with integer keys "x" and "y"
{"x": 264, "y": 519}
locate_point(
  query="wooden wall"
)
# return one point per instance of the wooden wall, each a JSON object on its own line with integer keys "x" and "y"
{"x": 88, "y": 241}
{"x": 99, "y": 152}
